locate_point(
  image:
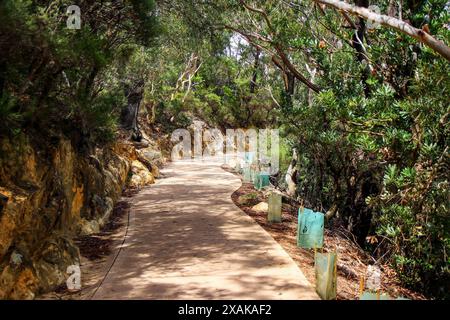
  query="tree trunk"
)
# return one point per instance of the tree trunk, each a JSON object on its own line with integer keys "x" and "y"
{"x": 291, "y": 175}
{"x": 358, "y": 44}
{"x": 255, "y": 71}
{"x": 130, "y": 112}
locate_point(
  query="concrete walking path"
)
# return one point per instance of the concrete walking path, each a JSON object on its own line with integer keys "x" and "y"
{"x": 187, "y": 240}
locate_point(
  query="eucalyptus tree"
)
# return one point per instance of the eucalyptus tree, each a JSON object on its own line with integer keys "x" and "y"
{"x": 366, "y": 103}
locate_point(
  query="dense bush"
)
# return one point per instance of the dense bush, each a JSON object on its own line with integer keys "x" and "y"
{"x": 373, "y": 139}
{"x": 54, "y": 78}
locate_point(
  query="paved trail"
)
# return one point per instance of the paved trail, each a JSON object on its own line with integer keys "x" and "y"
{"x": 187, "y": 240}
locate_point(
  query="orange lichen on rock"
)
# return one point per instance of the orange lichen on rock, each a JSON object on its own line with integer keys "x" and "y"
{"x": 77, "y": 201}
{"x": 25, "y": 286}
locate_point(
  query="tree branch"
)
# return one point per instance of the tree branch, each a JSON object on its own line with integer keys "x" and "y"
{"x": 261, "y": 12}
{"x": 393, "y": 23}
{"x": 295, "y": 72}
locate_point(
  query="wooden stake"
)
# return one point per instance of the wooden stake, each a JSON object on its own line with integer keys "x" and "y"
{"x": 361, "y": 285}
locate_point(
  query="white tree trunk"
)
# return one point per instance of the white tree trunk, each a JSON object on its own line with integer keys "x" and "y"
{"x": 392, "y": 23}
{"x": 291, "y": 175}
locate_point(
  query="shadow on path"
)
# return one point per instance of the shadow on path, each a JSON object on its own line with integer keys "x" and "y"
{"x": 187, "y": 240}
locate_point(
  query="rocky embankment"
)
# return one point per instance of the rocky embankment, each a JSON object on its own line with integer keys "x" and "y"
{"x": 50, "y": 194}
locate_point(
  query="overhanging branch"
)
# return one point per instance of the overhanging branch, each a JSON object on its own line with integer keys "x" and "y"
{"x": 393, "y": 23}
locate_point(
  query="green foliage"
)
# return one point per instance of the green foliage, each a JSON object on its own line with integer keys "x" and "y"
{"x": 9, "y": 116}
{"x": 413, "y": 206}
{"x": 53, "y": 78}
{"x": 373, "y": 142}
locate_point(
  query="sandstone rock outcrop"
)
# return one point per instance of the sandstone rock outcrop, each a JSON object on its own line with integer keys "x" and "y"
{"x": 141, "y": 176}
{"x": 49, "y": 195}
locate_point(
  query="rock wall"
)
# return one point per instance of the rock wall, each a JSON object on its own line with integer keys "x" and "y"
{"x": 48, "y": 195}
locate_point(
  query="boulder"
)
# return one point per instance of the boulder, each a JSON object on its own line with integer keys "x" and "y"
{"x": 141, "y": 176}
{"x": 261, "y": 207}
{"x": 150, "y": 157}
{"x": 89, "y": 227}
{"x": 141, "y": 144}
{"x": 56, "y": 254}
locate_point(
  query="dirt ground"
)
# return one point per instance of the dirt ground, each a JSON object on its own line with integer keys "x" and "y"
{"x": 352, "y": 260}
{"x": 98, "y": 252}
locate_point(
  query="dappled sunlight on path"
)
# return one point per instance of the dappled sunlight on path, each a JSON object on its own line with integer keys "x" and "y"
{"x": 187, "y": 240}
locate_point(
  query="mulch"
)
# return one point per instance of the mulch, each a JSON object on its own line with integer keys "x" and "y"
{"x": 352, "y": 259}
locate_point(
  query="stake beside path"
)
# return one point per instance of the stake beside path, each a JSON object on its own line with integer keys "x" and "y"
{"x": 275, "y": 202}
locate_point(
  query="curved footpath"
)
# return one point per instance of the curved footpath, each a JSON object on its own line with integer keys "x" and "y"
{"x": 187, "y": 240}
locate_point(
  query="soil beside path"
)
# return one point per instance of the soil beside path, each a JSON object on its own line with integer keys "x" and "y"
{"x": 187, "y": 240}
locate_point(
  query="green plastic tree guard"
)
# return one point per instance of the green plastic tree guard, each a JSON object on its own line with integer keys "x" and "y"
{"x": 325, "y": 265}
{"x": 310, "y": 229}
{"x": 247, "y": 174}
{"x": 254, "y": 176}
{"x": 367, "y": 295}
{"x": 262, "y": 180}
{"x": 274, "y": 214}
